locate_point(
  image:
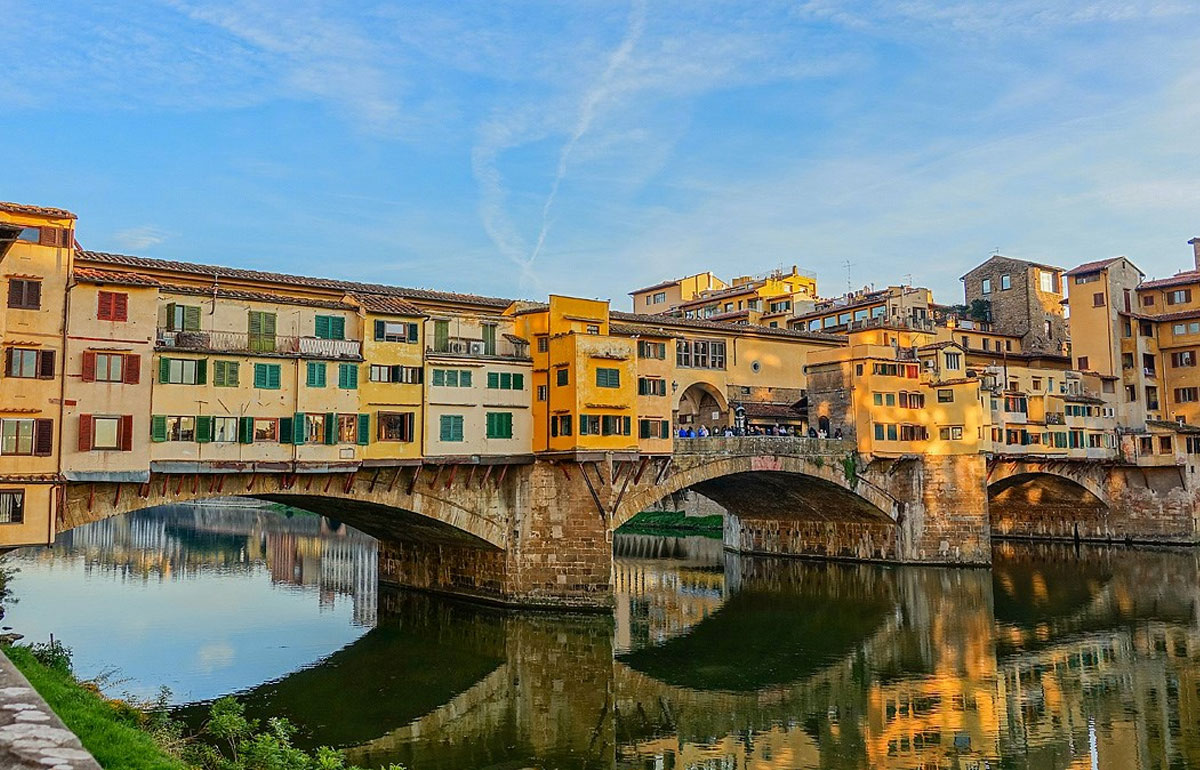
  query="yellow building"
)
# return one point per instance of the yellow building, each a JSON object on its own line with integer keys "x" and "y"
{"x": 909, "y": 306}
{"x": 747, "y": 299}
{"x": 667, "y": 296}
{"x": 35, "y": 262}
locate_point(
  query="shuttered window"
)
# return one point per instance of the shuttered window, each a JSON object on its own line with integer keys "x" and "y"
{"x": 183, "y": 318}
{"x": 225, "y": 374}
{"x": 505, "y": 381}
{"x": 395, "y": 426}
{"x": 25, "y": 436}
{"x": 112, "y": 306}
{"x": 24, "y": 294}
{"x": 608, "y": 378}
{"x": 499, "y": 424}
{"x": 261, "y": 331}
{"x": 451, "y": 427}
{"x": 267, "y": 376}
{"x": 182, "y": 371}
{"x": 330, "y": 327}
{"x": 25, "y": 362}
{"x": 315, "y": 375}
{"x": 348, "y": 376}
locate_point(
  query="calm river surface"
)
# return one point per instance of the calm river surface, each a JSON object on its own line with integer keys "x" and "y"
{"x": 1056, "y": 658}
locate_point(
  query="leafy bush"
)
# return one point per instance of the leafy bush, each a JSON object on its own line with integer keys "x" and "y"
{"x": 53, "y": 654}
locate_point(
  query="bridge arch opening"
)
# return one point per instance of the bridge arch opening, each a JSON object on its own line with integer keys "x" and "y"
{"x": 702, "y": 404}
{"x": 1037, "y": 504}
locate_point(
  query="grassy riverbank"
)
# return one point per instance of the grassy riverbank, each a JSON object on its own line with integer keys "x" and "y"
{"x": 110, "y": 731}
{"x": 672, "y": 524}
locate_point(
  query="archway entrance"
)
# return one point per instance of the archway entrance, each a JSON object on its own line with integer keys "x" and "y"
{"x": 702, "y": 404}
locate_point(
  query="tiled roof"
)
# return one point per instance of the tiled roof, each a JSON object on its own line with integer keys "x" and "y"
{"x": 626, "y": 330}
{"x": 1182, "y": 315}
{"x": 113, "y": 276}
{"x": 375, "y": 303}
{"x": 983, "y": 264}
{"x": 1179, "y": 279}
{"x": 254, "y": 296}
{"x": 1175, "y": 426}
{"x": 1092, "y": 267}
{"x": 655, "y": 287}
{"x": 732, "y": 291}
{"x": 331, "y": 284}
{"x": 41, "y": 211}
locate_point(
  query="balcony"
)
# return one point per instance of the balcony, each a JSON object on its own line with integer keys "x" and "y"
{"x": 507, "y": 346}
{"x": 241, "y": 342}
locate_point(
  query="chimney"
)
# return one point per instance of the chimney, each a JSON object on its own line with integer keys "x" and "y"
{"x": 1196, "y": 250}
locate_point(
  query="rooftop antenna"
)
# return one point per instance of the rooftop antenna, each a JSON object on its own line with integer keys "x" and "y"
{"x": 996, "y": 252}
{"x": 849, "y": 286}
{"x": 908, "y": 279}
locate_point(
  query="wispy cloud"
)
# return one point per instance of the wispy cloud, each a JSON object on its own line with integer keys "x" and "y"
{"x": 139, "y": 238}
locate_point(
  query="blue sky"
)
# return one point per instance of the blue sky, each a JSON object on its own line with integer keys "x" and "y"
{"x": 589, "y": 148}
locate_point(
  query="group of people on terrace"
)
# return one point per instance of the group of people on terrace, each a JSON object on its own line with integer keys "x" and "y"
{"x": 755, "y": 430}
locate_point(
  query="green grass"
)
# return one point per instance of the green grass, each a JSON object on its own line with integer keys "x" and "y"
{"x": 108, "y": 731}
{"x": 672, "y": 524}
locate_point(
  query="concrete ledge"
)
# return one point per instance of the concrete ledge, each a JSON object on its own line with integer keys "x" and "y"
{"x": 31, "y": 734}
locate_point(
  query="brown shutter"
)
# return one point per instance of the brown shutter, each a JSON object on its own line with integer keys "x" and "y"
{"x": 45, "y": 362}
{"x": 8, "y": 365}
{"x": 89, "y": 366}
{"x": 104, "y": 305}
{"x": 125, "y": 432}
{"x": 33, "y": 294}
{"x": 120, "y": 309}
{"x": 133, "y": 369}
{"x": 85, "y": 433}
{"x": 43, "y": 437}
{"x": 15, "y": 294}
{"x": 48, "y": 236}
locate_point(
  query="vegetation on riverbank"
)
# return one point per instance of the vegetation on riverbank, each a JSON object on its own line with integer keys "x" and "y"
{"x": 672, "y": 524}
{"x": 143, "y": 736}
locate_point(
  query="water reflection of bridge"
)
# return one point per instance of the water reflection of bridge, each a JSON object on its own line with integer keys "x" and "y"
{"x": 803, "y": 665}
{"x": 297, "y": 548}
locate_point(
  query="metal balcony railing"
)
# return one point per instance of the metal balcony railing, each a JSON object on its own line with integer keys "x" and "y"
{"x": 471, "y": 347}
{"x": 242, "y": 342}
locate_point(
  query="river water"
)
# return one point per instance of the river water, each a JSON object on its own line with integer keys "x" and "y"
{"x": 1057, "y": 657}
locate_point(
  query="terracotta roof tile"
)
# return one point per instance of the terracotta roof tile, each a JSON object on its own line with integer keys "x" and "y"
{"x": 1179, "y": 279}
{"x": 41, "y": 211}
{"x": 255, "y": 296}
{"x": 1092, "y": 267}
{"x": 655, "y": 287}
{"x": 331, "y": 284}
{"x": 113, "y": 276}
{"x": 375, "y": 303}
{"x": 695, "y": 324}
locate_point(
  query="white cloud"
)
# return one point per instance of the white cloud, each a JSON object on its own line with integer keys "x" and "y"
{"x": 140, "y": 238}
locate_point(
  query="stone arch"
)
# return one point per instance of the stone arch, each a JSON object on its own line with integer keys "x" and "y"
{"x": 802, "y": 481}
{"x": 427, "y": 512}
{"x": 697, "y": 403}
{"x": 1035, "y": 500}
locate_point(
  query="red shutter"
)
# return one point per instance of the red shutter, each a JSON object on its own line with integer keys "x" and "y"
{"x": 104, "y": 306}
{"x": 43, "y": 437}
{"x": 120, "y": 308}
{"x": 125, "y": 432}
{"x": 133, "y": 369}
{"x": 48, "y": 236}
{"x": 89, "y": 366}
{"x": 45, "y": 362}
{"x": 85, "y": 433}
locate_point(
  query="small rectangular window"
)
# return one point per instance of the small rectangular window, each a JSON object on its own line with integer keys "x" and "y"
{"x": 451, "y": 427}
{"x": 608, "y": 378}
{"x": 1005, "y": 282}
{"x": 12, "y": 506}
{"x": 267, "y": 376}
{"x": 561, "y": 376}
{"x": 395, "y": 426}
{"x": 112, "y": 306}
{"x": 24, "y": 294}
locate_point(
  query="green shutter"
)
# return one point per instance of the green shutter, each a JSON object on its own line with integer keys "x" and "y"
{"x": 202, "y": 371}
{"x": 286, "y": 435}
{"x": 204, "y": 426}
{"x": 337, "y": 328}
{"x": 380, "y": 329}
{"x": 493, "y": 380}
{"x": 413, "y": 334}
{"x": 364, "y": 429}
{"x": 464, "y": 379}
{"x": 348, "y": 376}
{"x": 518, "y": 381}
{"x": 331, "y": 428}
{"x": 316, "y": 375}
{"x": 299, "y": 428}
{"x": 246, "y": 430}
{"x": 441, "y": 336}
{"x": 231, "y": 373}
{"x": 164, "y": 370}
{"x": 583, "y": 430}
{"x": 260, "y": 375}
{"x": 158, "y": 428}
{"x": 444, "y": 428}
{"x": 506, "y": 381}
{"x": 219, "y": 374}
{"x": 489, "y": 340}
{"x": 191, "y": 318}
{"x": 273, "y": 376}
{"x": 322, "y": 330}
{"x": 171, "y": 317}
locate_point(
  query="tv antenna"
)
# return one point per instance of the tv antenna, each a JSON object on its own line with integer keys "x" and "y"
{"x": 849, "y": 286}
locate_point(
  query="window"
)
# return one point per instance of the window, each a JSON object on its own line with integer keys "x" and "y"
{"x": 1146, "y": 329}
{"x": 1037, "y": 383}
{"x": 700, "y": 354}
{"x": 25, "y": 362}
{"x": 1008, "y": 345}
{"x": 1179, "y": 297}
{"x": 986, "y": 286}
{"x": 395, "y": 426}
{"x": 1151, "y": 397}
{"x": 314, "y": 427}
{"x": 499, "y": 425}
{"x": 112, "y": 306}
{"x": 224, "y": 430}
{"x": 347, "y": 428}
{"x": 658, "y": 298}
{"x": 451, "y": 427}
{"x": 912, "y": 400}
{"x": 1165, "y": 445}
{"x": 409, "y": 375}
{"x": 593, "y": 329}
{"x": 561, "y": 376}
{"x": 183, "y": 318}
{"x": 106, "y": 432}
{"x": 608, "y": 378}
{"x": 394, "y": 331}
{"x": 26, "y": 436}
{"x": 1183, "y": 358}
{"x": 654, "y": 429}
{"x": 655, "y": 350}
{"x": 1147, "y": 300}
{"x": 952, "y": 432}
{"x": 329, "y": 327}
{"x": 913, "y": 433}
{"x": 489, "y": 339}
{"x": 1127, "y": 360}
{"x": 1187, "y": 395}
{"x": 1048, "y": 282}
{"x": 543, "y": 344}
{"x": 945, "y": 396}
{"x": 1018, "y": 404}
{"x": 561, "y": 425}
{"x": 267, "y": 376}
{"x": 348, "y": 376}
{"x": 1098, "y": 299}
{"x": 1148, "y": 363}
{"x": 505, "y": 381}
{"x": 24, "y": 294}
{"x": 452, "y": 378}
{"x": 265, "y": 429}
{"x": 261, "y": 331}
{"x": 1083, "y": 363}
{"x": 109, "y": 367}
{"x": 1005, "y": 282}
{"x": 12, "y": 506}
{"x": 182, "y": 371}
{"x": 173, "y": 428}
{"x": 652, "y": 386}
{"x": 953, "y": 360}
{"x": 225, "y": 374}
{"x": 543, "y": 392}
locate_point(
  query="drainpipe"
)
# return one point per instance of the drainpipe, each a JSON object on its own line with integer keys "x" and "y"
{"x": 60, "y": 491}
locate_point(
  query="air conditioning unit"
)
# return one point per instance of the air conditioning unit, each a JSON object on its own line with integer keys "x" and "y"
{"x": 475, "y": 347}
{"x": 458, "y": 346}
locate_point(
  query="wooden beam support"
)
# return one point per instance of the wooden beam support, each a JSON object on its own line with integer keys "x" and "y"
{"x": 450, "y": 478}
